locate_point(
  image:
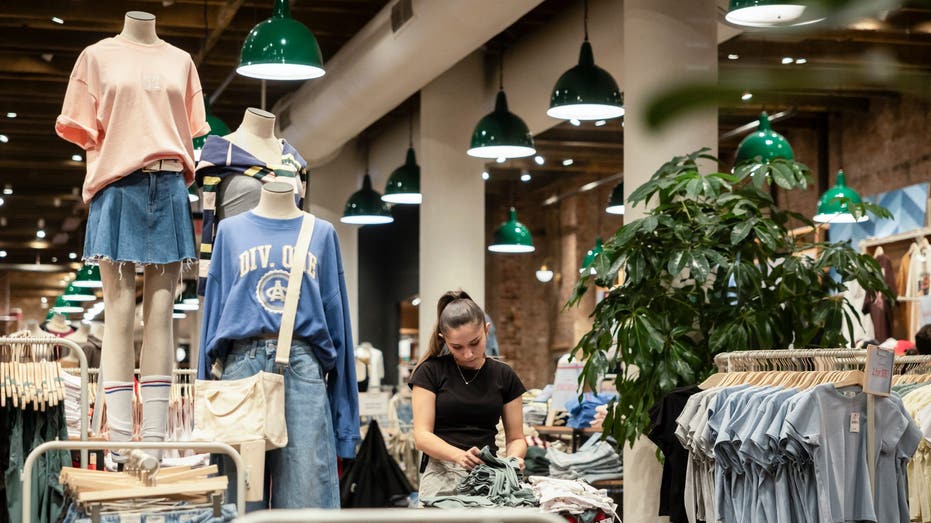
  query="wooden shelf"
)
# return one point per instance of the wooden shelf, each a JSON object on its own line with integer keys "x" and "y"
{"x": 550, "y": 430}
{"x": 910, "y": 235}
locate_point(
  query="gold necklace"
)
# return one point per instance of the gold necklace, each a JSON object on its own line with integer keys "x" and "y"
{"x": 473, "y": 377}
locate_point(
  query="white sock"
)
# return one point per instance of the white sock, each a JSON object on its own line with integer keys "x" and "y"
{"x": 119, "y": 401}
{"x": 154, "y": 391}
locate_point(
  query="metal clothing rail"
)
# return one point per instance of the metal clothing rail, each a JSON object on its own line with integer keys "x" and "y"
{"x": 221, "y": 448}
{"x": 368, "y": 515}
{"x": 751, "y": 359}
{"x": 82, "y": 360}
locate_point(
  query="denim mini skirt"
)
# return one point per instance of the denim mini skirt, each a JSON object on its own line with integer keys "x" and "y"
{"x": 144, "y": 217}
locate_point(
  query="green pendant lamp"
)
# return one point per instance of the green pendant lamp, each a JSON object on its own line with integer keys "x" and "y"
{"x": 365, "y": 207}
{"x": 512, "y": 236}
{"x": 78, "y": 294}
{"x": 777, "y": 13}
{"x": 501, "y": 133}
{"x": 281, "y": 48}
{"x": 404, "y": 183}
{"x": 586, "y": 92}
{"x": 181, "y": 305}
{"x": 834, "y": 205}
{"x": 88, "y": 276}
{"x": 63, "y": 306}
{"x": 764, "y": 144}
{"x": 591, "y": 255}
{"x": 616, "y": 203}
{"x": 217, "y": 127}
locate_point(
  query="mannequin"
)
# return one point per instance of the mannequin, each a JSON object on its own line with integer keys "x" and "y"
{"x": 256, "y": 134}
{"x": 276, "y": 201}
{"x": 58, "y": 325}
{"x": 125, "y": 162}
{"x": 139, "y": 27}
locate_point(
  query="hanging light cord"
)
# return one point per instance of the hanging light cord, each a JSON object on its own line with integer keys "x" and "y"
{"x": 410, "y": 125}
{"x": 585, "y": 19}
{"x": 501, "y": 71}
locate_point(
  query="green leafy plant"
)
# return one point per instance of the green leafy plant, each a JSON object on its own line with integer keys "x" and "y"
{"x": 711, "y": 268}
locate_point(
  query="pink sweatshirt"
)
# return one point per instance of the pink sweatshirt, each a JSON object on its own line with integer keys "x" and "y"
{"x": 129, "y": 104}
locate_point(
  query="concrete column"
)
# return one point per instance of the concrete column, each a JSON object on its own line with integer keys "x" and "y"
{"x": 665, "y": 41}
{"x": 452, "y": 216}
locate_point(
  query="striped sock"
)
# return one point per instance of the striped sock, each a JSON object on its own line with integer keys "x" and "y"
{"x": 119, "y": 401}
{"x": 154, "y": 391}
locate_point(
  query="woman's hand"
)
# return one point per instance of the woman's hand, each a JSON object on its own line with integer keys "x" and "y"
{"x": 520, "y": 462}
{"x": 468, "y": 459}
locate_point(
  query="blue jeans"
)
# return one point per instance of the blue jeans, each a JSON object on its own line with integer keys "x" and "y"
{"x": 302, "y": 474}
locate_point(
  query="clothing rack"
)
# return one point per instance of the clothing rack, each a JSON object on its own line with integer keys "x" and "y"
{"x": 817, "y": 359}
{"x": 371, "y": 515}
{"x": 32, "y": 343}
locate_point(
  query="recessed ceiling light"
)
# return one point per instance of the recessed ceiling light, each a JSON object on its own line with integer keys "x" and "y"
{"x": 501, "y": 159}
{"x": 77, "y": 157}
{"x": 11, "y": 115}
{"x": 567, "y": 162}
{"x": 54, "y": 259}
{"x": 539, "y": 160}
{"x": 73, "y": 255}
{"x": 7, "y": 189}
{"x": 733, "y": 56}
{"x": 787, "y": 60}
{"x": 746, "y": 96}
{"x": 4, "y": 138}
{"x": 2, "y": 254}
{"x": 599, "y": 123}
{"x": 801, "y": 61}
{"x": 416, "y": 301}
{"x": 57, "y": 20}
{"x": 485, "y": 175}
{"x": 44, "y": 299}
{"x": 575, "y": 122}
{"x": 525, "y": 177}
{"x": 40, "y": 234}
{"x": 2, "y": 201}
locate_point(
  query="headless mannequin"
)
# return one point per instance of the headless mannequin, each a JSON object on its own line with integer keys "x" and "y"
{"x": 119, "y": 294}
{"x": 276, "y": 201}
{"x": 256, "y": 134}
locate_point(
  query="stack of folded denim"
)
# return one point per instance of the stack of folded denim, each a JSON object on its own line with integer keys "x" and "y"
{"x": 581, "y": 414}
{"x": 535, "y": 413}
{"x": 594, "y": 461}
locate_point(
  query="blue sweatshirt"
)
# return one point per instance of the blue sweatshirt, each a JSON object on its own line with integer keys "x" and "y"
{"x": 245, "y": 292}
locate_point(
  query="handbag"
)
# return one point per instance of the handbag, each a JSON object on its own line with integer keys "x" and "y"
{"x": 249, "y": 409}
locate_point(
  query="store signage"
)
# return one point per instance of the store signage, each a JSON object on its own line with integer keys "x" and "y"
{"x": 373, "y": 403}
{"x": 879, "y": 362}
{"x": 566, "y": 383}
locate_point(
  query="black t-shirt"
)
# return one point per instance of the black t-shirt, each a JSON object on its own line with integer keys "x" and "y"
{"x": 662, "y": 432}
{"x": 466, "y": 415}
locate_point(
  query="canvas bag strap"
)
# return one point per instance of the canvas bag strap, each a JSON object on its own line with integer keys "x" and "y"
{"x": 288, "y": 315}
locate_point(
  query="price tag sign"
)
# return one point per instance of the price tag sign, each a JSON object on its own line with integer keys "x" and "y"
{"x": 878, "y": 372}
{"x": 566, "y": 383}
{"x": 373, "y": 404}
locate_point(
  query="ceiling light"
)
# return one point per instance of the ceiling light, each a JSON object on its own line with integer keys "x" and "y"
{"x": 512, "y": 236}
{"x": 590, "y": 257}
{"x": 586, "y": 91}
{"x": 11, "y": 115}
{"x": 281, "y": 48}
{"x": 525, "y": 177}
{"x": 40, "y": 234}
{"x": 575, "y": 122}
{"x": 773, "y": 13}
{"x": 89, "y": 276}
{"x": 63, "y": 306}
{"x": 2, "y": 254}
{"x": 54, "y": 259}
{"x": 7, "y": 189}
{"x": 539, "y": 160}
{"x": 57, "y": 20}
{"x": 567, "y": 162}
{"x": 4, "y": 138}
{"x": 801, "y": 61}
{"x": 74, "y": 293}
{"x": 733, "y": 56}
{"x": 616, "y": 202}
{"x": 588, "y": 186}
{"x": 365, "y": 207}
{"x": 416, "y": 301}
{"x": 404, "y": 183}
{"x": 184, "y": 305}
{"x": 599, "y": 123}
{"x": 834, "y": 205}
{"x": 76, "y": 158}
{"x": 47, "y": 57}
{"x": 787, "y": 60}
{"x": 178, "y": 315}
{"x": 764, "y": 144}
{"x": 544, "y": 274}
{"x": 72, "y": 255}
{"x": 501, "y": 134}
{"x": 485, "y": 175}
{"x": 746, "y": 96}
{"x": 3, "y": 221}
{"x": 2, "y": 201}
{"x": 501, "y": 159}
{"x": 43, "y": 299}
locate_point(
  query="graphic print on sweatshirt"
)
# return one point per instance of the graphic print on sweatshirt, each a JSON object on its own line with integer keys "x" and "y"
{"x": 271, "y": 289}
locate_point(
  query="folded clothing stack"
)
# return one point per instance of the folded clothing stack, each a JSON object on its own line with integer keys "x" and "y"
{"x": 574, "y": 497}
{"x": 581, "y": 414}
{"x": 496, "y": 480}
{"x": 594, "y": 461}
{"x": 535, "y": 413}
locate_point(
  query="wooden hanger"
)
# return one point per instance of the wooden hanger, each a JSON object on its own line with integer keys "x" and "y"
{"x": 878, "y": 252}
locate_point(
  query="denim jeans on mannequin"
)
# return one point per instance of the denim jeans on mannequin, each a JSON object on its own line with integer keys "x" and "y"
{"x": 302, "y": 474}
